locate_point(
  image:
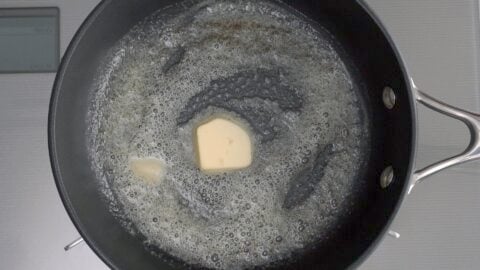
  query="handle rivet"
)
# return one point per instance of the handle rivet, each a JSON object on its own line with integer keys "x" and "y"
{"x": 389, "y": 97}
{"x": 386, "y": 177}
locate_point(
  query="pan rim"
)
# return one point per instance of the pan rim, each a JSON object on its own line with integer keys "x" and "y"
{"x": 414, "y": 126}
{"x": 56, "y": 90}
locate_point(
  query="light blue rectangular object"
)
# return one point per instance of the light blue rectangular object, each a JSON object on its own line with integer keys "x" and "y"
{"x": 29, "y": 40}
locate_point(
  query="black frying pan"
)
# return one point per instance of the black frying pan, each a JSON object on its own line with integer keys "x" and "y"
{"x": 388, "y": 93}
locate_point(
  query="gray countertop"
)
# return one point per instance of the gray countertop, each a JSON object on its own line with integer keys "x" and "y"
{"x": 438, "y": 222}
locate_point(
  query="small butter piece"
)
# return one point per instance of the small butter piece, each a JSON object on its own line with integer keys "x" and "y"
{"x": 222, "y": 145}
{"x": 151, "y": 170}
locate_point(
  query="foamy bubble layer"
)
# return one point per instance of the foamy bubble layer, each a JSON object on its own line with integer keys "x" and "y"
{"x": 269, "y": 69}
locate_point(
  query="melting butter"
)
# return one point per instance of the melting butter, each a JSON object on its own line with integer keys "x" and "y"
{"x": 151, "y": 170}
{"x": 222, "y": 145}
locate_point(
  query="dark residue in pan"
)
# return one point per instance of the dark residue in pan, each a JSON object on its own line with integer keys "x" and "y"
{"x": 238, "y": 92}
{"x": 174, "y": 59}
{"x": 303, "y": 184}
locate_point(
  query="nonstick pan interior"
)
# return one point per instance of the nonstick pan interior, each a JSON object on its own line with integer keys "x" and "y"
{"x": 370, "y": 60}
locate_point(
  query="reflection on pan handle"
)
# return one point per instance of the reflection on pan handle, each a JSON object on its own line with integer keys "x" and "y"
{"x": 472, "y": 152}
{"x": 73, "y": 244}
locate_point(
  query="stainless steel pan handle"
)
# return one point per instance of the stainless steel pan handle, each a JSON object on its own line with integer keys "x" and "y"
{"x": 472, "y": 152}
